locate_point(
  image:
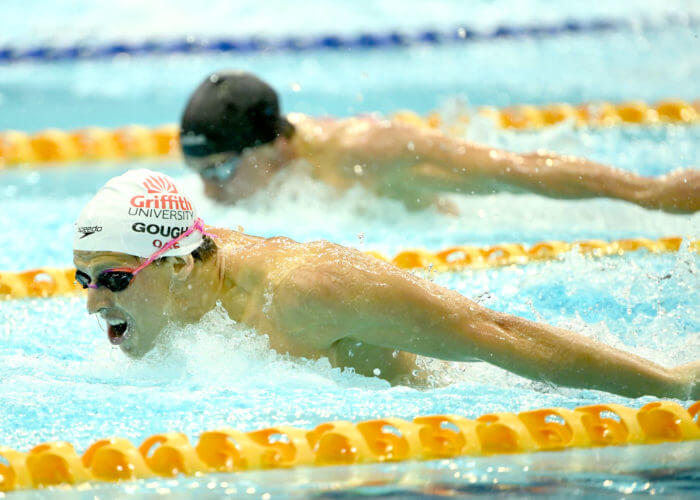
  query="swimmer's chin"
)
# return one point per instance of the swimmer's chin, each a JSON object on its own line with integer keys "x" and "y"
{"x": 131, "y": 348}
{"x": 132, "y": 352}
{"x": 137, "y": 350}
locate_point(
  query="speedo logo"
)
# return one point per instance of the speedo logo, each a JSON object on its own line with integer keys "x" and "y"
{"x": 165, "y": 231}
{"x": 88, "y": 230}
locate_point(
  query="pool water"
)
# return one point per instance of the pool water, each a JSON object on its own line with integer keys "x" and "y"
{"x": 61, "y": 380}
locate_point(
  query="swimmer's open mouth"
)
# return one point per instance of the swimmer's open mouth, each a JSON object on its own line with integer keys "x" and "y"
{"x": 116, "y": 330}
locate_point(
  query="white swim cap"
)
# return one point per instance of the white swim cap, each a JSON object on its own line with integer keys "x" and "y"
{"x": 136, "y": 214}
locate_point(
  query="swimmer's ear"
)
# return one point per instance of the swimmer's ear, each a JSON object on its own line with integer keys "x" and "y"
{"x": 182, "y": 267}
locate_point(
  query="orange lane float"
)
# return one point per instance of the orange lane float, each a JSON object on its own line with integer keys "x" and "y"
{"x": 593, "y": 114}
{"x": 170, "y": 454}
{"x": 89, "y": 144}
{"x": 54, "y": 146}
{"x": 51, "y": 282}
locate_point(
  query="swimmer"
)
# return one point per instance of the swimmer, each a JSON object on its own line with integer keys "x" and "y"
{"x": 147, "y": 260}
{"x": 233, "y": 135}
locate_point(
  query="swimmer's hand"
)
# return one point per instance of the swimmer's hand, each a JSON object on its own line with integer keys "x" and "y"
{"x": 688, "y": 376}
{"x": 446, "y": 206}
{"x": 677, "y": 191}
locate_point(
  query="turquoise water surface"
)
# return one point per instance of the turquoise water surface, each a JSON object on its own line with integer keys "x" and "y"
{"x": 61, "y": 380}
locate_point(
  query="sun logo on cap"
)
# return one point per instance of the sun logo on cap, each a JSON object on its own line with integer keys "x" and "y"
{"x": 158, "y": 184}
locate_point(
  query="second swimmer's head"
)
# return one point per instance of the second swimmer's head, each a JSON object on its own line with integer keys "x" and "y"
{"x": 229, "y": 113}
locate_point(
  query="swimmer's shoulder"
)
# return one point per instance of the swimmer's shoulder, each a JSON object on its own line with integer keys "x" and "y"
{"x": 258, "y": 251}
{"x": 225, "y": 237}
{"x": 248, "y": 260}
{"x": 278, "y": 252}
{"x": 318, "y": 129}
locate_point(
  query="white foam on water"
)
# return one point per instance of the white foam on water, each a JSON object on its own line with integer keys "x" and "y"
{"x": 217, "y": 348}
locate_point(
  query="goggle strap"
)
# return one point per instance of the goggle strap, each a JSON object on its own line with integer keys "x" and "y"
{"x": 197, "y": 226}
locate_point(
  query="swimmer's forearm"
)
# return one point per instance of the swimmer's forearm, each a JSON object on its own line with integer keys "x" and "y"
{"x": 551, "y": 174}
{"x": 439, "y": 323}
{"x": 543, "y": 352}
{"x": 572, "y": 177}
{"x": 559, "y": 176}
{"x": 547, "y": 353}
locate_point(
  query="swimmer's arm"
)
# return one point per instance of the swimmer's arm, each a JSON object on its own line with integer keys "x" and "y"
{"x": 544, "y": 173}
{"x": 376, "y": 303}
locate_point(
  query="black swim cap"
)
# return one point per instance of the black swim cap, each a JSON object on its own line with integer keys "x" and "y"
{"x": 231, "y": 111}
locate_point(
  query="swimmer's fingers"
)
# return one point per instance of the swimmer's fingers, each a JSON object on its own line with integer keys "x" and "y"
{"x": 689, "y": 378}
{"x": 446, "y": 206}
{"x": 678, "y": 191}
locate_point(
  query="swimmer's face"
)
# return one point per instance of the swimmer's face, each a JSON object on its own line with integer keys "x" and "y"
{"x": 251, "y": 171}
{"x": 134, "y": 317}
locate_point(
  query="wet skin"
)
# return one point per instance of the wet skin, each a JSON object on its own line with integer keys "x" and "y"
{"x": 323, "y": 300}
{"x": 418, "y": 166}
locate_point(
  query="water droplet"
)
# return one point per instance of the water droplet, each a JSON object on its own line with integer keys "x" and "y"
{"x": 411, "y": 146}
{"x": 358, "y": 169}
{"x": 296, "y": 87}
{"x": 377, "y": 372}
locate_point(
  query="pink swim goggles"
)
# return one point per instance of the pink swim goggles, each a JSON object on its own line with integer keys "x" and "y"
{"x": 119, "y": 278}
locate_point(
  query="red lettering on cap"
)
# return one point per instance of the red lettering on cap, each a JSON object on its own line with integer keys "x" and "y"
{"x": 157, "y": 243}
{"x": 159, "y": 184}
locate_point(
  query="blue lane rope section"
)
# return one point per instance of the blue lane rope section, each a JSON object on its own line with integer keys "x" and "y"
{"x": 195, "y": 45}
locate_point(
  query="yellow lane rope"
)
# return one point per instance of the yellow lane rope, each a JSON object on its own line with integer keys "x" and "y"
{"x": 88, "y": 144}
{"x": 95, "y": 143}
{"x": 345, "y": 443}
{"x": 596, "y": 114}
{"x": 50, "y": 282}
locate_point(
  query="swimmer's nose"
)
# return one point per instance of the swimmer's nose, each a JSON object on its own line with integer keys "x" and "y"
{"x": 97, "y": 299}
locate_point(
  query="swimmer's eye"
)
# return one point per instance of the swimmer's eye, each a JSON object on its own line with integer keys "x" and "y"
{"x": 115, "y": 280}
{"x": 82, "y": 279}
{"x": 221, "y": 171}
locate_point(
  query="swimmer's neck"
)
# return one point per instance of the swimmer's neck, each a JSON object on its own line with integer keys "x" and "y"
{"x": 200, "y": 292}
{"x": 286, "y": 152}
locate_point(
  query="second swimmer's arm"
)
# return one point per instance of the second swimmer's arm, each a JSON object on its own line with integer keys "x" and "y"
{"x": 544, "y": 173}
{"x": 374, "y": 302}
